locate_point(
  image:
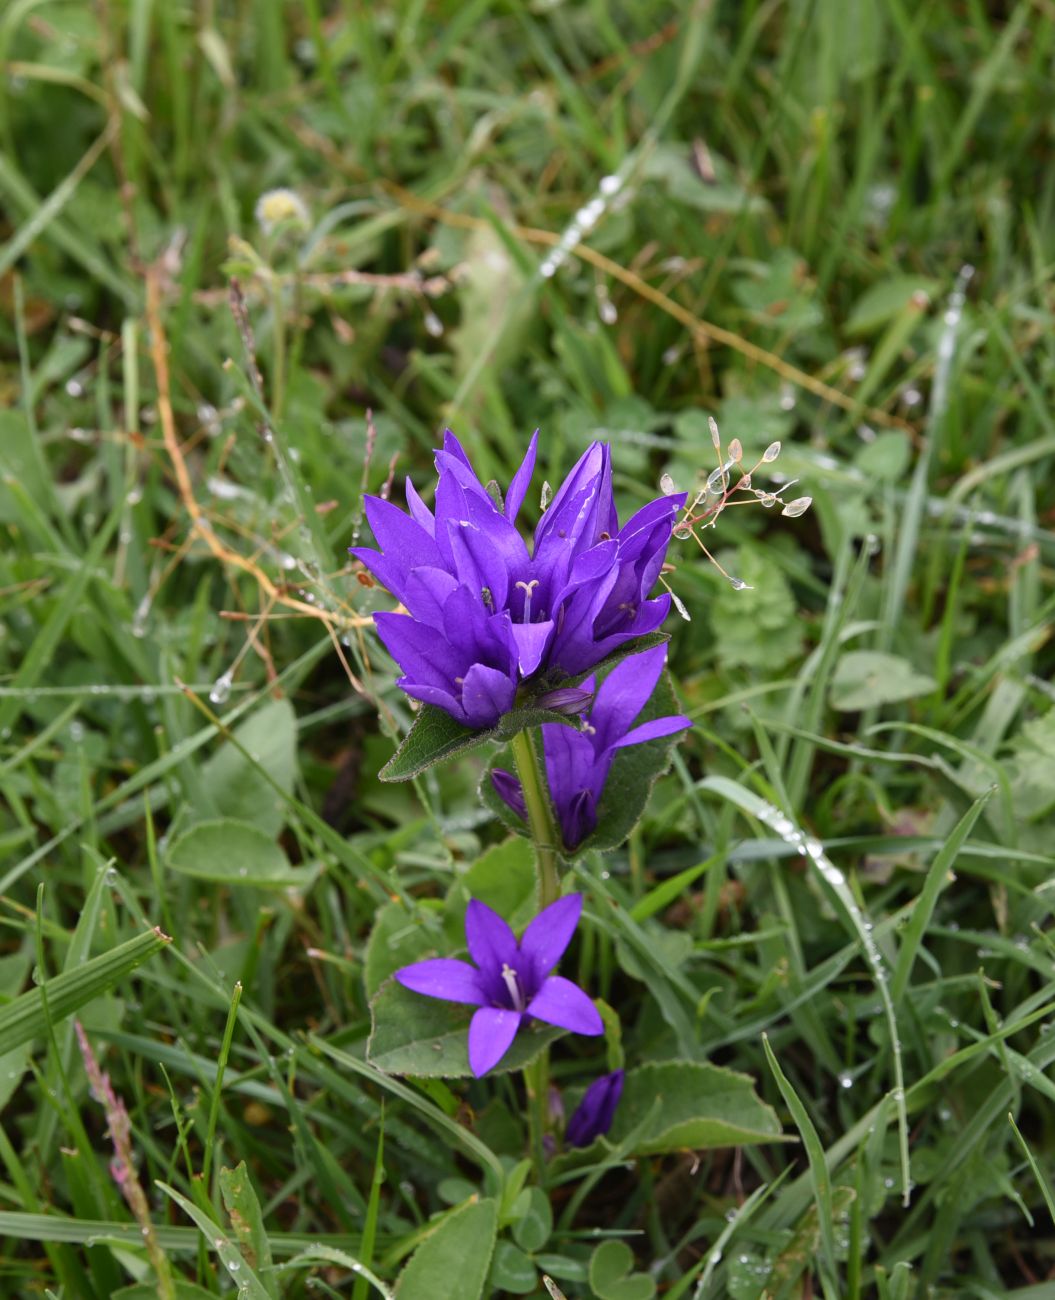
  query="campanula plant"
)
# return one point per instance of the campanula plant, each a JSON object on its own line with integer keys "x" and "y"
{"x": 552, "y": 647}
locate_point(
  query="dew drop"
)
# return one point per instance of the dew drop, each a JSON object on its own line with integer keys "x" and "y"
{"x": 221, "y": 688}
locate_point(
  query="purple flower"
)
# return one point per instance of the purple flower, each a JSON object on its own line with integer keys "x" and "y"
{"x": 484, "y": 614}
{"x": 594, "y": 1114}
{"x": 510, "y": 980}
{"x": 578, "y": 762}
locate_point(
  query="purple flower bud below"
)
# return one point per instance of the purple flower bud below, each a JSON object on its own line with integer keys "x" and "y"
{"x": 594, "y": 1114}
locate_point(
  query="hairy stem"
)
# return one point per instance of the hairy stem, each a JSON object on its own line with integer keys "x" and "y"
{"x": 540, "y": 816}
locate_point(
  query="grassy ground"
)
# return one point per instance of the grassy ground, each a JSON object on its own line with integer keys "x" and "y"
{"x": 823, "y": 223}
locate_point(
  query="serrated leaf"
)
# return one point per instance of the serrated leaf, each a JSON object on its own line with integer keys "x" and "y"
{"x": 397, "y": 939}
{"x": 452, "y": 1262}
{"x": 24, "y": 1019}
{"x": 702, "y": 1107}
{"x": 425, "y": 1037}
{"x": 234, "y": 852}
{"x": 503, "y": 877}
{"x": 865, "y": 679}
{"x": 435, "y": 736}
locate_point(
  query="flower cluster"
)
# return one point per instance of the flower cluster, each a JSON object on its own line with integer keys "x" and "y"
{"x": 578, "y": 762}
{"x": 483, "y": 612}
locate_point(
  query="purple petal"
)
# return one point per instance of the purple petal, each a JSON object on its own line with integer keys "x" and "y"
{"x": 549, "y": 934}
{"x": 419, "y": 509}
{"x": 521, "y": 479}
{"x": 444, "y": 977}
{"x": 567, "y": 700}
{"x": 532, "y": 640}
{"x": 435, "y": 695}
{"x": 594, "y": 1114}
{"x": 624, "y": 693}
{"x": 562, "y": 1003}
{"x": 402, "y": 539}
{"x": 580, "y": 818}
{"x": 453, "y": 447}
{"x": 424, "y": 655}
{"x": 635, "y": 533}
{"x": 426, "y": 593}
{"x": 491, "y": 1033}
{"x": 491, "y": 943}
{"x": 654, "y": 729}
{"x": 487, "y": 693}
{"x": 509, "y": 790}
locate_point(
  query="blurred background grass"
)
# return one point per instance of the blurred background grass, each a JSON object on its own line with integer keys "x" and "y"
{"x": 822, "y": 222}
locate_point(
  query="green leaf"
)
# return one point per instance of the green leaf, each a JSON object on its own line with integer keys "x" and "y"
{"x": 887, "y": 458}
{"x": 435, "y": 736}
{"x": 13, "y": 971}
{"x": 453, "y": 1260}
{"x": 532, "y": 1230}
{"x": 610, "y": 1276}
{"x": 702, "y": 1107}
{"x": 242, "y": 1275}
{"x": 423, "y": 1036}
{"x": 397, "y": 939}
{"x": 24, "y": 1019}
{"x": 885, "y": 300}
{"x": 235, "y": 853}
{"x": 238, "y": 785}
{"x": 247, "y": 1223}
{"x": 760, "y": 626}
{"x": 864, "y": 679}
{"x": 504, "y": 878}
{"x": 512, "y": 1270}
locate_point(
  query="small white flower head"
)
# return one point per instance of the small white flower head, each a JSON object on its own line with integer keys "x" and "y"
{"x": 281, "y": 207}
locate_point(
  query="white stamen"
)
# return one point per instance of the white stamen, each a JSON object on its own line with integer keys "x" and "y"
{"x": 509, "y": 975}
{"x": 527, "y": 588}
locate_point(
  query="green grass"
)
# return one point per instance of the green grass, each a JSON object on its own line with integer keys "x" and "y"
{"x": 840, "y": 890}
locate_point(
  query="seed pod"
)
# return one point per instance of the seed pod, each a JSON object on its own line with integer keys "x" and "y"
{"x": 797, "y": 507}
{"x": 771, "y": 453}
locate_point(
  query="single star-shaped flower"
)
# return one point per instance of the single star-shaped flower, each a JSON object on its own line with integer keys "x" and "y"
{"x": 510, "y": 981}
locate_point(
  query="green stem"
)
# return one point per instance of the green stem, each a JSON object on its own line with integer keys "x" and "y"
{"x": 540, "y": 817}
{"x": 544, "y": 835}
